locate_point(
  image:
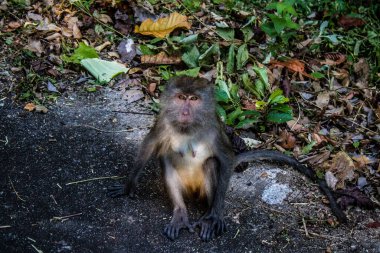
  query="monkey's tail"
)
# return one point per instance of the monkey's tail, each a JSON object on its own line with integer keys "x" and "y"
{"x": 278, "y": 157}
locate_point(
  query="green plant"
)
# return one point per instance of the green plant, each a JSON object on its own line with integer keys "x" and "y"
{"x": 280, "y": 24}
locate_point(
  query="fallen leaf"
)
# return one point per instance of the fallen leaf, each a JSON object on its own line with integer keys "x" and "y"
{"x": 331, "y": 180}
{"x": 35, "y": 46}
{"x": 294, "y": 65}
{"x": 102, "y": 46}
{"x": 41, "y": 108}
{"x": 160, "y": 58}
{"x": 362, "y": 161}
{"x": 375, "y": 224}
{"x": 163, "y": 26}
{"x": 342, "y": 167}
{"x": 30, "y": 107}
{"x": 127, "y": 50}
{"x": 348, "y": 22}
{"x": 323, "y": 99}
{"x": 287, "y": 140}
{"x": 333, "y": 59}
{"x": 133, "y": 95}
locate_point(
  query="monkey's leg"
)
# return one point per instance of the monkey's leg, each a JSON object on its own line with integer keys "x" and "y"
{"x": 212, "y": 223}
{"x": 180, "y": 218}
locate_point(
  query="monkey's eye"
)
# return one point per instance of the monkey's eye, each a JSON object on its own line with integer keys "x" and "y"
{"x": 193, "y": 98}
{"x": 182, "y": 97}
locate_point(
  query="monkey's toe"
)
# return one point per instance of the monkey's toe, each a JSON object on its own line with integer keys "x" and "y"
{"x": 211, "y": 227}
{"x": 116, "y": 190}
{"x": 171, "y": 231}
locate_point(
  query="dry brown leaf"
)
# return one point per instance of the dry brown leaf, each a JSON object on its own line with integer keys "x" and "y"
{"x": 362, "y": 161}
{"x": 323, "y": 99}
{"x": 333, "y": 59}
{"x": 35, "y": 46}
{"x": 287, "y": 140}
{"x": 294, "y": 65}
{"x": 163, "y": 26}
{"x": 161, "y": 58}
{"x": 30, "y": 107}
{"x": 320, "y": 158}
{"x": 342, "y": 167}
{"x": 348, "y": 22}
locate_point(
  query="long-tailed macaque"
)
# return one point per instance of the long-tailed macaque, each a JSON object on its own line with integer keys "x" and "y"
{"x": 196, "y": 156}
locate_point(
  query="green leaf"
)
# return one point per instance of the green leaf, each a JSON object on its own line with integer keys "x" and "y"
{"x": 191, "y": 57}
{"x": 290, "y": 24}
{"x": 242, "y": 56}
{"x": 278, "y": 117}
{"x": 306, "y": 150}
{"x": 260, "y": 105}
{"x": 282, "y": 108}
{"x": 231, "y": 117}
{"x": 278, "y": 22}
{"x": 269, "y": 29}
{"x": 189, "y": 72}
{"x": 247, "y": 33}
{"x": 82, "y": 52}
{"x": 214, "y": 49}
{"x": 322, "y": 27}
{"x": 145, "y": 50}
{"x": 228, "y": 34}
{"x": 231, "y": 59}
{"x": 277, "y": 98}
{"x": 257, "y": 90}
{"x": 246, "y": 123}
{"x": 189, "y": 39}
{"x": 221, "y": 84}
{"x": 221, "y": 112}
{"x": 103, "y": 70}
{"x": 263, "y": 75}
{"x": 317, "y": 75}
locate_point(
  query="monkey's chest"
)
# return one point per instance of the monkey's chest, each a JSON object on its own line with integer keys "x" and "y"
{"x": 189, "y": 164}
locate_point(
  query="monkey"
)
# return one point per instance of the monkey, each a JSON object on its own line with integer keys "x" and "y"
{"x": 196, "y": 156}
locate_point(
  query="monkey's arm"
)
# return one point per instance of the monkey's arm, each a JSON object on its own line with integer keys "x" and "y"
{"x": 278, "y": 157}
{"x": 212, "y": 223}
{"x": 146, "y": 150}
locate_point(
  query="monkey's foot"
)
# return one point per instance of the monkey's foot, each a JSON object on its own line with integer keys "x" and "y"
{"x": 118, "y": 190}
{"x": 211, "y": 226}
{"x": 178, "y": 222}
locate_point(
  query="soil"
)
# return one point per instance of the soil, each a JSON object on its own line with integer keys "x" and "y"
{"x": 46, "y": 208}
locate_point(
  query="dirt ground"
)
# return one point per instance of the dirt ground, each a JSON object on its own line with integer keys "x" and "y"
{"x": 44, "y": 206}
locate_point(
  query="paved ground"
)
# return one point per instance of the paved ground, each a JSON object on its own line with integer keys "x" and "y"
{"x": 43, "y": 206}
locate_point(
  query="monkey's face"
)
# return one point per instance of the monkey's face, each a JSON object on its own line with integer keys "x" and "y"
{"x": 187, "y": 105}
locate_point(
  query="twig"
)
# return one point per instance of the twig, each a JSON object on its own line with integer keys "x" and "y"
{"x": 5, "y": 141}
{"x": 305, "y": 228}
{"x": 142, "y": 113}
{"x": 299, "y": 115}
{"x": 353, "y": 122}
{"x": 93, "y": 179}
{"x": 237, "y": 232}
{"x": 109, "y": 131}
{"x": 62, "y": 218}
{"x": 13, "y": 187}
{"x": 330, "y": 237}
{"x": 5, "y": 226}
{"x": 38, "y": 250}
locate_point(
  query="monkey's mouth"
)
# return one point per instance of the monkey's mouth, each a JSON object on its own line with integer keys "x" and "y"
{"x": 185, "y": 119}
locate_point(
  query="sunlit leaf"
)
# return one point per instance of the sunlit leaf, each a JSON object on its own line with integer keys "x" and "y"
{"x": 163, "y": 26}
{"x": 103, "y": 70}
{"x": 189, "y": 72}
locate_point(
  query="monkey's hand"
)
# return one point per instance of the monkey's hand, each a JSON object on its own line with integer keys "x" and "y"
{"x": 178, "y": 222}
{"x": 211, "y": 225}
{"x": 118, "y": 190}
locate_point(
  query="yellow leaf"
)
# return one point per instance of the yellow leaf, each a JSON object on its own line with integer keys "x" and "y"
{"x": 163, "y": 26}
{"x": 30, "y": 107}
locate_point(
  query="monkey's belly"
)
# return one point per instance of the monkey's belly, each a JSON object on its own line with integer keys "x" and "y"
{"x": 193, "y": 181}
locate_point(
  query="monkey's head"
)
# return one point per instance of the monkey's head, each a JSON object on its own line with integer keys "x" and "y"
{"x": 188, "y": 102}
